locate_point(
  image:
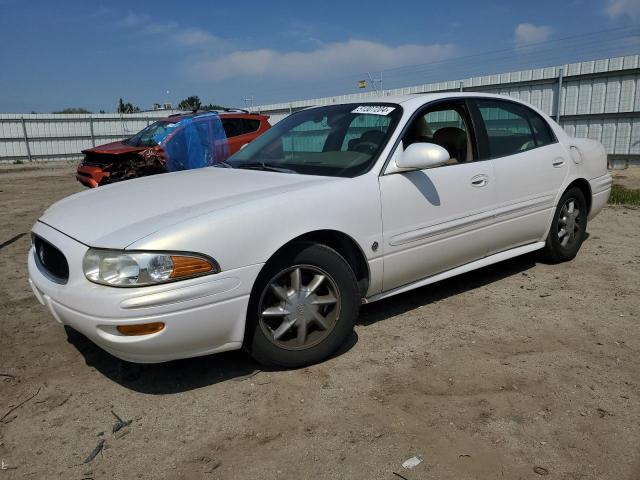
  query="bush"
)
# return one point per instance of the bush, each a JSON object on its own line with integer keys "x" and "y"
{"x": 624, "y": 196}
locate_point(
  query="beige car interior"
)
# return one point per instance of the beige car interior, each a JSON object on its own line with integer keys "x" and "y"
{"x": 456, "y": 141}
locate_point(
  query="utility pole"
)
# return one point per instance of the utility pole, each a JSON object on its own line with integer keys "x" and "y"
{"x": 375, "y": 82}
{"x": 248, "y": 102}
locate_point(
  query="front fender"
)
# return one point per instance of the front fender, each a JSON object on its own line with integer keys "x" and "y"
{"x": 250, "y": 233}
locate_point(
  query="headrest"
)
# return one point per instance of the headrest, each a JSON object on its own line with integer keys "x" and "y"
{"x": 374, "y": 136}
{"x": 453, "y": 136}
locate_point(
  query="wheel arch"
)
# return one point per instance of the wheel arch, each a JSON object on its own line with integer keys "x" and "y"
{"x": 342, "y": 243}
{"x": 584, "y": 187}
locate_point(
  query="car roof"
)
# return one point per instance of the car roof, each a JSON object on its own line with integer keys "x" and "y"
{"x": 223, "y": 113}
{"x": 419, "y": 99}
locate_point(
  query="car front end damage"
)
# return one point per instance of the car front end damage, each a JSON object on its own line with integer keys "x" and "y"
{"x": 97, "y": 169}
{"x": 165, "y": 146}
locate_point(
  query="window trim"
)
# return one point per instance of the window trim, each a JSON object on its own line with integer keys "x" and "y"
{"x": 483, "y": 139}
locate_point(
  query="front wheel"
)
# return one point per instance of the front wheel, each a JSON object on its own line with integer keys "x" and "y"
{"x": 568, "y": 228}
{"x": 302, "y": 308}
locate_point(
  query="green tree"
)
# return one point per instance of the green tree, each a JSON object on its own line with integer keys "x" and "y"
{"x": 190, "y": 103}
{"x": 74, "y": 110}
{"x": 213, "y": 106}
{"x": 127, "y": 107}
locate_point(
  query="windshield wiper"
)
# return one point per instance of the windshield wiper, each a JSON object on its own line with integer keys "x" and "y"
{"x": 264, "y": 166}
{"x": 223, "y": 164}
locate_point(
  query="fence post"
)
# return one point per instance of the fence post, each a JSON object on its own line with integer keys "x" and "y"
{"x": 93, "y": 137}
{"x": 559, "y": 99}
{"x": 462, "y": 86}
{"x": 26, "y": 138}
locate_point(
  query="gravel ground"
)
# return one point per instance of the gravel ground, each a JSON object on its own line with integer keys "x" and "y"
{"x": 515, "y": 371}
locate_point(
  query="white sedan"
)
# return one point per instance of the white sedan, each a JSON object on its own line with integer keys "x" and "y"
{"x": 276, "y": 249}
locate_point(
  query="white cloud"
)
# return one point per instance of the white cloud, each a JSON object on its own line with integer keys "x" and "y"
{"x": 619, "y": 8}
{"x": 131, "y": 20}
{"x": 188, "y": 37}
{"x": 527, "y": 34}
{"x": 352, "y": 56}
{"x": 194, "y": 36}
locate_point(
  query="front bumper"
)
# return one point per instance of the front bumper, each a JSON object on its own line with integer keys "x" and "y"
{"x": 202, "y": 315}
{"x": 90, "y": 175}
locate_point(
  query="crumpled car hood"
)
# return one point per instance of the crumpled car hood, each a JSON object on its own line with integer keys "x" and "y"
{"x": 115, "y": 216}
{"x": 114, "y": 148}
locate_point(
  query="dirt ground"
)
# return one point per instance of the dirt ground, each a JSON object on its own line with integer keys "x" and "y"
{"x": 516, "y": 371}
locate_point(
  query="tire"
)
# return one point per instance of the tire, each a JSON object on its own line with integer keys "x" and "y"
{"x": 563, "y": 247}
{"x": 292, "y": 320}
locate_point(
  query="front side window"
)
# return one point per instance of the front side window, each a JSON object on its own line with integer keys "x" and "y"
{"x": 339, "y": 140}
{"x": 445, "y": 125}
{"x": 512, "y": 128}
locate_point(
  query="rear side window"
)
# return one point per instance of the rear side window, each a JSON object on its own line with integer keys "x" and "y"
{"x": 250, "y": 125}
{"x": 232, "y": 127}
{"x": 512, "y": 128}
{"x": 541, "y": 130}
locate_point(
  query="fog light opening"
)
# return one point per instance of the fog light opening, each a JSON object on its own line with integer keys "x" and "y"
{"x": 141, "y": 329}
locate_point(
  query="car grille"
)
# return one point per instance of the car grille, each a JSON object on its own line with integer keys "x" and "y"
{"x": 50, "y": 260}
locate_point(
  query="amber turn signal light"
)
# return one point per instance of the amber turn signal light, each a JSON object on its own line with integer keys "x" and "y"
{"x": 189, "y": 266}
{"x": 141, "y": 329}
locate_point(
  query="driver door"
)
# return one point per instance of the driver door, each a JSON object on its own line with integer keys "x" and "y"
{"x": 436, "y": 219}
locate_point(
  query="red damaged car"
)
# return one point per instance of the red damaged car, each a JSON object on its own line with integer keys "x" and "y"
{"x": 178, "y": 142}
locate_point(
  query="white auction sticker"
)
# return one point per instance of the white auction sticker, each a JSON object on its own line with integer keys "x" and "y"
{"x": 374, "y": 109}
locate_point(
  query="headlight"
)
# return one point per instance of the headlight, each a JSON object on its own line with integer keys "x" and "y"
{"x": 134, "y": 269}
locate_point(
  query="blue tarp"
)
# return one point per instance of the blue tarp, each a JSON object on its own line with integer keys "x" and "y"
{"x": 195, "y": 142}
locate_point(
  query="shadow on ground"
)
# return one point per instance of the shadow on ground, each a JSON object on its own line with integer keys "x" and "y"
{"x": 184, "y": 375}
{"x": 176, "y": 376}
{"x": 419, "y": 297}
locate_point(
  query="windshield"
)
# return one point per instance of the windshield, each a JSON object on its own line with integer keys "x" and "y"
{"x": 339, "y": 140}
{"x": 151, "y": 135}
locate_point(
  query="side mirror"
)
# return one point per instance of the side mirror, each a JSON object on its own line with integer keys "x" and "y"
{"x": 419, "y": 156}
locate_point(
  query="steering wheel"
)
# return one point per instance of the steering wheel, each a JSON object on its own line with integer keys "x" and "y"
{"x": 366, "y": 147}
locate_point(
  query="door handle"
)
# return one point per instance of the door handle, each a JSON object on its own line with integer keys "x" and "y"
{"x": 558, "y": 162}
{"x": 480, "y": 180}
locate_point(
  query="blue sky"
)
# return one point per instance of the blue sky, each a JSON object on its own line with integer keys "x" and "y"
{"x": 73, "y": 53}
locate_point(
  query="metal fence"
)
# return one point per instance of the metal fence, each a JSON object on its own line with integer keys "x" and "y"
{"x": 62, "y": 136}
{"x": 598, "y": 99}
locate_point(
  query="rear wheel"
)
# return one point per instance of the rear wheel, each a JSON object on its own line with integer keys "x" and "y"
{"x": 302, "y": 307}
{"x": 568, "y": 228}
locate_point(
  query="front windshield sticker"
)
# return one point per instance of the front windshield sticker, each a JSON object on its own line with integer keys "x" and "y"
{"x": 374, "y": 109}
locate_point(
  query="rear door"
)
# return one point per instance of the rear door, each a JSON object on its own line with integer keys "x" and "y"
{"x": 530, "y": 166}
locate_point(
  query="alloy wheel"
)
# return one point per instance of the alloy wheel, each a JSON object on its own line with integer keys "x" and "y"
{"x": 569, "y": 223}
{"x": 299, "y": 307}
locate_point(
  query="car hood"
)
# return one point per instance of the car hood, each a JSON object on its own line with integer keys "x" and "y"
{"x": 115, "y": 216}
{"x": 114, "y": 148}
